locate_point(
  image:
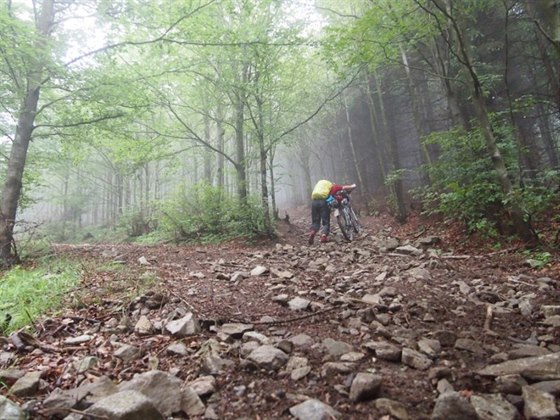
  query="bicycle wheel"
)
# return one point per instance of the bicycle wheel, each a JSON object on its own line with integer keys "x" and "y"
{"x": 355, "y": 222}
{"x": 345, "y": 224}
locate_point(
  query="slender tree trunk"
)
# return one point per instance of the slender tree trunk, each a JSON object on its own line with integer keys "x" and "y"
{"x": 11, "y": 191}
{"x": 396, "y": 185}
{"x": 220, "y": 178}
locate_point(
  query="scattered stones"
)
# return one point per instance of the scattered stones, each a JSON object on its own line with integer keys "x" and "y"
{"x": 539, "y": 368}
{"x": 128, "y": 353}
{"x": 451, "y": 405}
{"x": 299, "y": 304}
{"x": 125, "y": 405}
{"x": 27, "y": 385}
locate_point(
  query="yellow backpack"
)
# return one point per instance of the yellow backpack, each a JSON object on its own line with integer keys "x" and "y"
{"x": 321, "y": 190}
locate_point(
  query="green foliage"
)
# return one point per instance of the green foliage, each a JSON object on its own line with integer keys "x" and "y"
{"x": 28, "y": 293}
{"x": 204, "y": 213}
{"x": 464, "y": 186}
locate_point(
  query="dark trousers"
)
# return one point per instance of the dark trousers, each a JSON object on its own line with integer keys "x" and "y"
{"x": 320, "y": 215}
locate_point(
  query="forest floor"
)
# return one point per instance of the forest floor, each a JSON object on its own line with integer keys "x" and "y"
{"x": 351, "y": 297}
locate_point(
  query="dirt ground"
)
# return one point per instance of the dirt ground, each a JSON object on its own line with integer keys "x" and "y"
{"x": 334, "y": 277}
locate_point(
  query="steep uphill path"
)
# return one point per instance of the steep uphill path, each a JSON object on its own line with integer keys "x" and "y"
{"x": 392, "y": 326}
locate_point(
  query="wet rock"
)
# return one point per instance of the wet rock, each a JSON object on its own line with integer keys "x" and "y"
{"x": 451, "y": 405}
{"x": 268, "y": 357}
{"x": 540, "y": 368}
{"x": 162, "y": 389}
{"x": 538, "y": 405}
{"x": 314, "y": 410}
{"x": 365, "y": 386}
{"x": 393, "y": 408}
{"x": 10, "y": 410}
{"x": 27, "y": 385}
{"x": 415, "y": 359}
{"x": 128, "y": 353}
{"x": 299, "y": 304}
{"x": 494, "y": 407}
{"x": 125, "y": 405}
{"x": 183, "y": 327}
{"x": 191, "y": 403}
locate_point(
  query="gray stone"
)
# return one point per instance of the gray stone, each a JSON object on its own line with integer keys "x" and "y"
{"x": 469, "y": 345}
{"x": 415, "y": 359}
{"x": 510, "y": 384}
{"x": 204, "y": 385}
{"x": 183, "y": 327}
{"x": 235, "y": 330}
{"x": 178, "y": 348}
{"x": 353, "y": 356}
{"x": 552, "y": 321}
{"x": 393, "y": 408}
{"x": 256, "y": 336}
{"x": 494, "y": 407}
{"x": 419, "y": 273}
{"x": 538, "y": 405}
{"x": 525, "y": 350}
{"x": 335, "y": 368}
{"x": 314, "y": 410}
{"x": 451, "y": 405}
{"x": 446, "y": 338}
{"x": 144, "y": 326}
{"x": 300, "y": 373}
{"x": 268, "y": 357}
{"x": 430, "y": 347}
{"x": 301, "y": 340}
{"x": 259, "y": 270}
{"x": 72, "y": 341}
{"x": 27, "y": 385}
{"x": 384, "y": 350}
{"x": 365, "y": 386}
{"x": 191, "y": 403}
{"x": 125, "y": 405}
{"x": 10, "y": 410}
{"x": 540, "y": 368}
{"x": 128, "y": 353}
{"x": 10, "y": 376}
{"x": 408, "y": 250}
{"x": 551, "y": 387}
{"x": 388, "y": 291}
{"x": 162, "y": 388}
{"x": 336, "y": 348}
{"x": 550, "y": 310}
{"x": 371, "y": 299}
{"x": 299, "y": 304}
{"x": 86, "y": 363}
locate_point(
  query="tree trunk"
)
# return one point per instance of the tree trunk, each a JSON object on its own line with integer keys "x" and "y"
{"x": 11, "y": 192}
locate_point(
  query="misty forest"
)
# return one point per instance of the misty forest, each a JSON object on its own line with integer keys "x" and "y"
{"x": 198, "y": 129}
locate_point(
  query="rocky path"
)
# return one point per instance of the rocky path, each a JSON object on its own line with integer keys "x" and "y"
{"x": 381, "y": 328}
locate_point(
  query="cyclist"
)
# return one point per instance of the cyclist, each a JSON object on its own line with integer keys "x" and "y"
{"x": 324, "y": 193}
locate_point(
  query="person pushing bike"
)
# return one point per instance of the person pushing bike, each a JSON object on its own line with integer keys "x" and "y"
{"x": 324, "y": 193}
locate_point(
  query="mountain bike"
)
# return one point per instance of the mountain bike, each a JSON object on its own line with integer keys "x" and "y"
{"x": 346, "y": 217}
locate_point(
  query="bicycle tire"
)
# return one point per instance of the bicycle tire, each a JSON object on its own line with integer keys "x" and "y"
{"x": 355, "y": 222}
{"x": 345, "y": 224}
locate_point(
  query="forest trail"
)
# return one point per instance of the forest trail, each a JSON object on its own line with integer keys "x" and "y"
{"x": 399, "y": 324}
